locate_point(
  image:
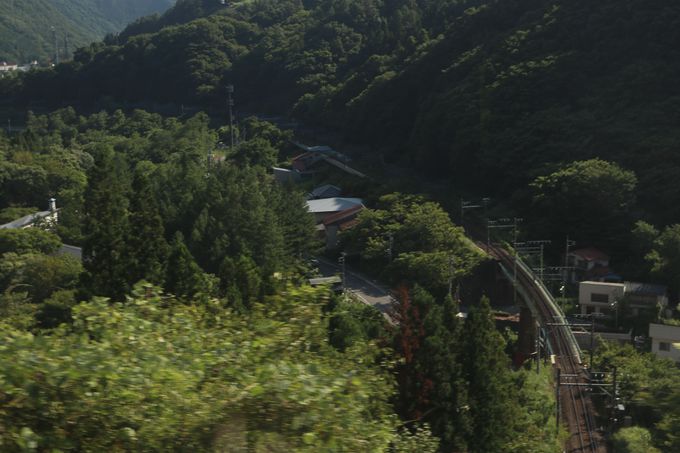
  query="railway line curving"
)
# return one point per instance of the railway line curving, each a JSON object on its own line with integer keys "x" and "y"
{"x": 577, "y": 407}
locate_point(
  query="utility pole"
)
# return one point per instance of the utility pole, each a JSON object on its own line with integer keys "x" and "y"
{"x": 462, "y": 211}
{"x": 534, "y": 248}
{"x": 557, "y": 399}
{"x": 592, "y": 340}
{"x": 65, "y": 46}
{"x": 230, "y": 104}
{"x": 488, "y": 236}
{"x": 466, "y": 204}
{"x": 56, "y": 46}
{"x": 538, "y": 349}
{"x": 515, "y": 232}
{"x": 615, "y": 306}
{"x": 390, "y": 246}
{"x": 614, "y": 386}
{"x": 566, "y": 264}
{"x": 341, "y": 260}
{"x": 451, "y": 271}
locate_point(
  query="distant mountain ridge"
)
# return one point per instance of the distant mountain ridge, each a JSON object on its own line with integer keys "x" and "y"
{"x": 26, "y": 25}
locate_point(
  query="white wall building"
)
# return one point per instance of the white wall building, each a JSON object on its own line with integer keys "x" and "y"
{"x": 665, "y": 341}
{"x": 602, "y": 297}
{"x": 7, "y": 67}
{"x": 599, "y": 297}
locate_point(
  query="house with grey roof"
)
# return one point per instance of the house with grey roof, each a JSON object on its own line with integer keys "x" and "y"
{"x": 49, "y": 217}
{"x": 328, "y": 206}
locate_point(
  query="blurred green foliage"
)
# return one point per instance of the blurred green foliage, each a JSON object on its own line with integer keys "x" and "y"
{"x": 649, "y": 390}
{"x": 154, "y": 374}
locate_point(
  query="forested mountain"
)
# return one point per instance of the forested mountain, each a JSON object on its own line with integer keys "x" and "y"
{"x": 189, "y": 322}
{"x": 487, "y": 93}
{"x": 26, "y": 26}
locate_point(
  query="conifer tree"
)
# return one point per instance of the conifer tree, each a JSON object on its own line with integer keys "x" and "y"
{"x": 240, "y": 279}
{"x": 491, "y": 403}
{"x": 183, "y": 276}
{"x": 106, "y": 226}
{"x": 147, "y": 247}
{"x": 442, "y": 363}
{"x": 414, "y": 385}
{"x": 431, "y": 379}
{"x": 297, "y": 226}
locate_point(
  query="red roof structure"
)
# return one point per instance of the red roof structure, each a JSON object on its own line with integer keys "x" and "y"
{"x": 590, "y": 254}
{"x": 343, "y": 217}
{"x": 303, "y": 161}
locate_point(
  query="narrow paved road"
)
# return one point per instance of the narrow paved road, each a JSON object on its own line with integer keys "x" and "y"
{"x": 366, "y": 290}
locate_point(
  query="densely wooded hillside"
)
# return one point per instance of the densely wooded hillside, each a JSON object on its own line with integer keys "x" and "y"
{"x": 489, "y": 93}
{"x": 26, "y": 26}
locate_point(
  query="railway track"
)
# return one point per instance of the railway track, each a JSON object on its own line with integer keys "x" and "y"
{"x": 577, "y": 408}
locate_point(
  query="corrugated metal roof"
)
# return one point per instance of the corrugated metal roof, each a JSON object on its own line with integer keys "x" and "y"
{"x": 325, "y": 280}
{"x": 325, "y": 191}
{"x": 332, "y": 204}
{"x": 645, "y": 288}
{"x": 26, "y": 220}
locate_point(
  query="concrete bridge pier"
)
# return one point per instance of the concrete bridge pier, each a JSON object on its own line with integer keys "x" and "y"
{"x": 526, "y": 342}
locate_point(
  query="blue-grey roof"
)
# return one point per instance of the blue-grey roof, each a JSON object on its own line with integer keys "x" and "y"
{"x": 645, "y": 289}
{"x": 324, "y": 150}
{"x": 321, "y": 149}
{"x": 325, "y": 191}
{"x": 26, "y": 220}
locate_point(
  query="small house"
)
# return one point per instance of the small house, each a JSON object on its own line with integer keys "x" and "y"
{"x": 645, "y": 295}
{"x": 305, "y": 161}
{"x": 603, "y": 297}
{"x": 326, "y": 207}
{"x": 665, "y": 341}
{"x": 588, "y": 264}
{"x": 341, "y": 221}
{"x": 599, "y": 297}
{"x": 48, "y": 218}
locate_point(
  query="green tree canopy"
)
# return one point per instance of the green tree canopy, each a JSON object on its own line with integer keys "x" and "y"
{"x": 665, "y": 257}
{"x": 633, "y": 440}
{"x": 589, "y": 201}
{"x": 427, "y": 248}
{"x": 106, "y": 226}
{"x": 28, "y": 240}
{"x": 492, "y": 407}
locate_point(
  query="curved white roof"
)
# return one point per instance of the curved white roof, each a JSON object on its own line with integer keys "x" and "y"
{"x": 332, "y": 204}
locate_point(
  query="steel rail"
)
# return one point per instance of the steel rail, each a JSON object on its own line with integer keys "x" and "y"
{"x": 563, "y": 345}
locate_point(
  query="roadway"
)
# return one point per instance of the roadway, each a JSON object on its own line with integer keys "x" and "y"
{"x": 365, "y": 289}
